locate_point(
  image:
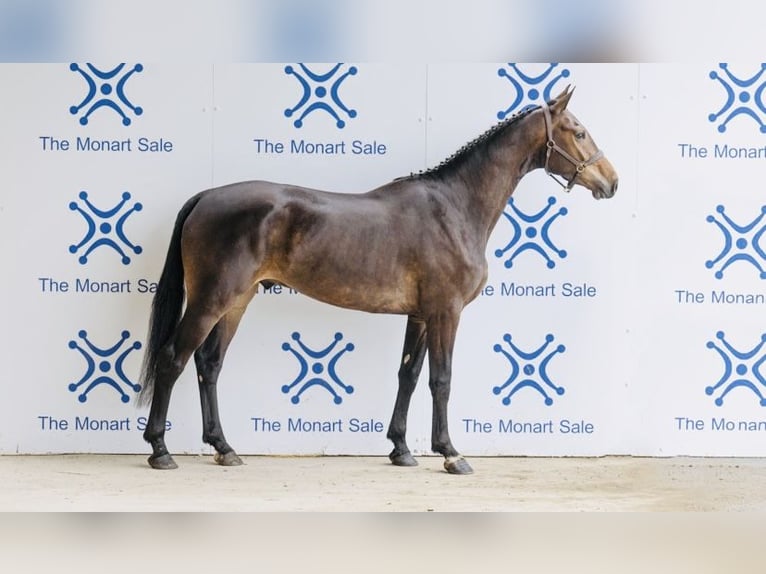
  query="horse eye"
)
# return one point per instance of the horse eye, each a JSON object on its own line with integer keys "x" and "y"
{"x": 580, "y": 135}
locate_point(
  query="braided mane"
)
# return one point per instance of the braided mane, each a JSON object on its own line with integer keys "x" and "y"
{"x": 457, "y": 159}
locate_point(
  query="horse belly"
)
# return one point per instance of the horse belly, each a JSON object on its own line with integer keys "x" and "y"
{"x": 359, "y": 294}
{"x": 342, "y": 253}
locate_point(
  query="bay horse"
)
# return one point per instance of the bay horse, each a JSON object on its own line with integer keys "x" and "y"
{"x": 414, "y": 246}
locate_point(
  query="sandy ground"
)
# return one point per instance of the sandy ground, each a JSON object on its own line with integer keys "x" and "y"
{"x": 121, "y": 483}
{"x": 361, "y": 514}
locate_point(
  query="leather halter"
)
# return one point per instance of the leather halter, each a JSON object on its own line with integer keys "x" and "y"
{"x": 552, "y": 146}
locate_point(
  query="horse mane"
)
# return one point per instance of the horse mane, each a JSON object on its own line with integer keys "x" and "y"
{"x": 474, "y": 147}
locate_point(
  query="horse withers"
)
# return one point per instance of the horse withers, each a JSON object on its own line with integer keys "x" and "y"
{"x": 422, "y": 240}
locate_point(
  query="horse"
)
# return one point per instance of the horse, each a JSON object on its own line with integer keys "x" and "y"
{"x": 415, "y": 246}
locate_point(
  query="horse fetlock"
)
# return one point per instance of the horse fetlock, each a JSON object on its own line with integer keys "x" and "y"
{"x": 154, "y": 438}
{"x": 218, "y": 443}
{"x": 443, "y": 446}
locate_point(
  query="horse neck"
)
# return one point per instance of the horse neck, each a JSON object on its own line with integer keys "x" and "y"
{"x": 486, "y": 183}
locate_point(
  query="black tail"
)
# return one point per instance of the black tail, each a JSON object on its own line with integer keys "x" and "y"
{"x": 166, "y": 306}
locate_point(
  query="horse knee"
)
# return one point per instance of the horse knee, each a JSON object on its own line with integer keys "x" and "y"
{"x": 440, "y": 387}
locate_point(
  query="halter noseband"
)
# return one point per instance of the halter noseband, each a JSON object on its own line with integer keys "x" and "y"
{"x": 552, "y": 146}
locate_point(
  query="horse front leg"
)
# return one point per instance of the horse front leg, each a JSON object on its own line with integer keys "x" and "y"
{"x": 412, "y": 362}
{"x": 441, "y": 342}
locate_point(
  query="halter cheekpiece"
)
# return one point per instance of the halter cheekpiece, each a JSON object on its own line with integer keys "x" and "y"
{"x": 552, "y": 146}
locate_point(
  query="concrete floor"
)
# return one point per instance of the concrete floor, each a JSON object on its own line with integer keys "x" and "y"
{"x": 361, "y": 514}
{"x": 120, "y": 483}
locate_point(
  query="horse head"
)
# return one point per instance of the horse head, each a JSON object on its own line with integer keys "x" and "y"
{"x": 571, "y": 152}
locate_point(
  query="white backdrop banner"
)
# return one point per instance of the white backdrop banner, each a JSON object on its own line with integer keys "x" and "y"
{"x": 627, "y": 326}
{"x": 700, "y": 383}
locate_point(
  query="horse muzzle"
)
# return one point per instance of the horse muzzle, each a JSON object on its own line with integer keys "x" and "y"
{"x": 606, "y": 191}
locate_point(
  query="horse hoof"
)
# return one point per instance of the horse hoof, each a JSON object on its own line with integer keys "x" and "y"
{"x": 228, "y": 459}
{"x": 458, "y": 466}
{"x": 162, "y": 462}
{"x": 403, "y": 459}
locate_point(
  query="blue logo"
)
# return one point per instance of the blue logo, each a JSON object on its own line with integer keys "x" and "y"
{"x": 106, "y": 90}
{"x": 743, "y": 97}
{"x": 320, "y": 92}
{"x": 317, "y": 368}
{"x": 531, "y": 233}
{"x": 104, "y": 367}
{"x": 736, "y": 366}
{"x": 534, "y": 90}
{"x": 741, "y": 243}
{"x": 109, "y": 224}
{"x": 528, "y": 369}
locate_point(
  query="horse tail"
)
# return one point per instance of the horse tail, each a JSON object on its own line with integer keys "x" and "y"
{"x": 167, "y": 305}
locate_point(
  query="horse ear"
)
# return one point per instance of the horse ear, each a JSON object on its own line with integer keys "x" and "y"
{"x": 559, "y": 103}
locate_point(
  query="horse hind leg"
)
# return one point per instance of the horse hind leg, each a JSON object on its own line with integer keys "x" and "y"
{"x": 413, "y": 354}
{"x": 189, "y": 335}
{"x": 208, "y": 360}
{"x": 168, "y": 372}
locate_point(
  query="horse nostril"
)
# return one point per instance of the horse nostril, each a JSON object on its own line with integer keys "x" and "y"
{"x": 614, "y": 186}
